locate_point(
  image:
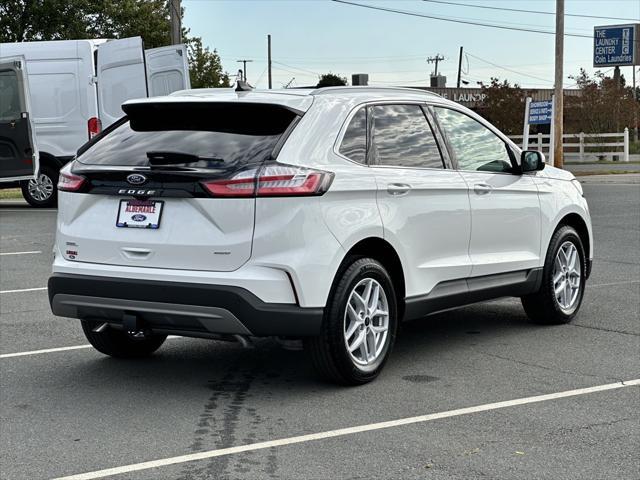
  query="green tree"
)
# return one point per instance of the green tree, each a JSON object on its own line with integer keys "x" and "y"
{"x": 602, "y": 106}
{"x": 29, "y": 20}
{"x": 503, "y": 106}
{"x": 205, "y": 68}
{"x": 331, "y": 80}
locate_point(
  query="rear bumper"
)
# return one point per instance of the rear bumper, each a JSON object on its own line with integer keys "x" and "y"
{"x": 187, "y": 309}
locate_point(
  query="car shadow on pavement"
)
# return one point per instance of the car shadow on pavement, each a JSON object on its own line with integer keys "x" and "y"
{"x": 190, "y": 363}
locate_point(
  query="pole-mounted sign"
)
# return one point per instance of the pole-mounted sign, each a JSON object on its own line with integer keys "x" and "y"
{"x": 540, "y": 112}
{"x": 616, "y": 45}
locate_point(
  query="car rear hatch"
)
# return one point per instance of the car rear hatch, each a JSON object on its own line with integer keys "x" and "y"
{"x": 138, "y": 193}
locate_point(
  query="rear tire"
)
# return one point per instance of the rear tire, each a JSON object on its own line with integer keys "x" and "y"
{"x": 359, "y": 325}
{"x": 118, "y": 343}
{"x": 42, "y": 192}
{"x": 563, "y": 281}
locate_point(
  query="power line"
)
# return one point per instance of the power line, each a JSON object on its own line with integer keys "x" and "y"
{"x": 445, "y": 19}
{"x": 530, "y": 11}
{"x": 297, "y": 68}
{"x": 508, "y": 69}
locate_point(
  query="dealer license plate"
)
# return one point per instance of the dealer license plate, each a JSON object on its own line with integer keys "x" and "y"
{"x": 139, "y": 214}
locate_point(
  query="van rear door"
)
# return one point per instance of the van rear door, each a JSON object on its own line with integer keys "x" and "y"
{"x": 18, "y": 152}
{"x": 167, "y": 70}
{"x": 121, "y": 76}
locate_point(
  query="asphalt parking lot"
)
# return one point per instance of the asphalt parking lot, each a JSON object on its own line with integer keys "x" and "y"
{"x": 71, "y": 411}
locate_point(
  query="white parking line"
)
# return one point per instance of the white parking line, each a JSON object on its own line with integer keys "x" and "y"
{"x": 613, "y": 284}
{"x": 20, "y": 210}
{"x": 134, "y": 467}
{"x": 46, "y": 350}
{"x": 24, "y": 290}
{"x": 57, "y": 349}
{"x": 34, "y": 252}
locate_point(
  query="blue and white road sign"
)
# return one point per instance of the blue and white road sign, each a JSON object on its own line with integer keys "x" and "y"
{"x": 615, "y": 45}
{"x": 540, "y": 112}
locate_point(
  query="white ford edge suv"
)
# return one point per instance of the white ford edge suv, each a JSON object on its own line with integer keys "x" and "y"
{"x": 325, "y": 215}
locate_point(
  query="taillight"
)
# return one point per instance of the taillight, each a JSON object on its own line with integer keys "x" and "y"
{"x": 94, "y": 126}
{"x": 276, "y": 180}
{"x": 69, "y": 182}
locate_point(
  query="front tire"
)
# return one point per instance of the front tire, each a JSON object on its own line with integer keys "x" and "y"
{"x": 563, "y": 281}
{"x": 120, "y": 344}
{"x": 359, "y": 325}
{"x": 42, "y": 192}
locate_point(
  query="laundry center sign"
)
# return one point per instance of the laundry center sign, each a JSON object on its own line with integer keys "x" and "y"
{"x": 616, "y": 45}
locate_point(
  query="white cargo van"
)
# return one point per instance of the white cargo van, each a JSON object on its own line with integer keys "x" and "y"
{"x": 76, "y": 89}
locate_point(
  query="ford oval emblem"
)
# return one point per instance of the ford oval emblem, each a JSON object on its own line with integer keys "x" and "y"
{"x": 138, "y": 217}
{"x": 136, "y": 179}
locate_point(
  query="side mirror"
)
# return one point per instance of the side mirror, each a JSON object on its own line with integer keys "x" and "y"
{"x": 531, "y": 161}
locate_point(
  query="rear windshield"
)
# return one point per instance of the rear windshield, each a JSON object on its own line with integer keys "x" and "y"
{"x": 207, "y": 135}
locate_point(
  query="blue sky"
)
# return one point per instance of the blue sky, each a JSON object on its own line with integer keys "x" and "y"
{"x": 316, "y": 36}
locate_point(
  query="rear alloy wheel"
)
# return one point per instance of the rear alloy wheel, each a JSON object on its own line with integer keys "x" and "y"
{"x": 366, "y": 322}
{"x": 119, "y": 343}
{"x": 41, "y": 192}
{"x": 359, "y": 326}
{"x": 563, "y": 280}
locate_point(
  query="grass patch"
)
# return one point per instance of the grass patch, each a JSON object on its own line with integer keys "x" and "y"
{"x": 603, "y": 172}
{"x": 10, "y": 194}
{"x": 602, "y": 162}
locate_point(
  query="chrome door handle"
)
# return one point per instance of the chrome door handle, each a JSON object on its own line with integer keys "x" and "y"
{"x": 482, "y": 188}
{"x": 398, "y": 188}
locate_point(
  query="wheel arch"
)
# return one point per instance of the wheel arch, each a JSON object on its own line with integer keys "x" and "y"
{"x": 578, "y": 223}
{"x": 382, "y": 251}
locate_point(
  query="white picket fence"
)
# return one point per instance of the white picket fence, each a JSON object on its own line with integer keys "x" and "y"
{"x": 580, "y": 146}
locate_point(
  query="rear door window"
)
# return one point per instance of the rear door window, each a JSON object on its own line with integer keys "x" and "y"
{"x": 206, "y": 135}
{"x": 401, "y": 136}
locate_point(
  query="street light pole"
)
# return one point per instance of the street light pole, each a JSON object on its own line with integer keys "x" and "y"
{"x": 558, "y": 104}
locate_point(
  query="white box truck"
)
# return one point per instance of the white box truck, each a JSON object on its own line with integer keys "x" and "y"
{"x": 76, "y": 89}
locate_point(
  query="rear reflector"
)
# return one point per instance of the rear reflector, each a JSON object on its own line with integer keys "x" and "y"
{"x": 94, "y": 127}
{"x": 275, "y": 180}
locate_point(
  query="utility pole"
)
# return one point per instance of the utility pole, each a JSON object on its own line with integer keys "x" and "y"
{"x": 435, "y": 60}
{"x": 269, "y": 58}
{"x": 176, "y": 21}
{"x": 635, "y": 110}
{"x": 244, "y": 68}
{"x": 558, "y": 91}
{"x": 459, "y": 68}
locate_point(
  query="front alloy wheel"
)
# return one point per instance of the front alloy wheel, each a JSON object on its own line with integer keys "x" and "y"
{"x": 567, "y": 276}
{"x": 563, "y": 280}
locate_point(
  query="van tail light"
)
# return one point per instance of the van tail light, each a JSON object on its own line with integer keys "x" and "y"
{"x": 69, "y": 182}
{"x": 94, "y": 127}
{"x": 275, "y": 180}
